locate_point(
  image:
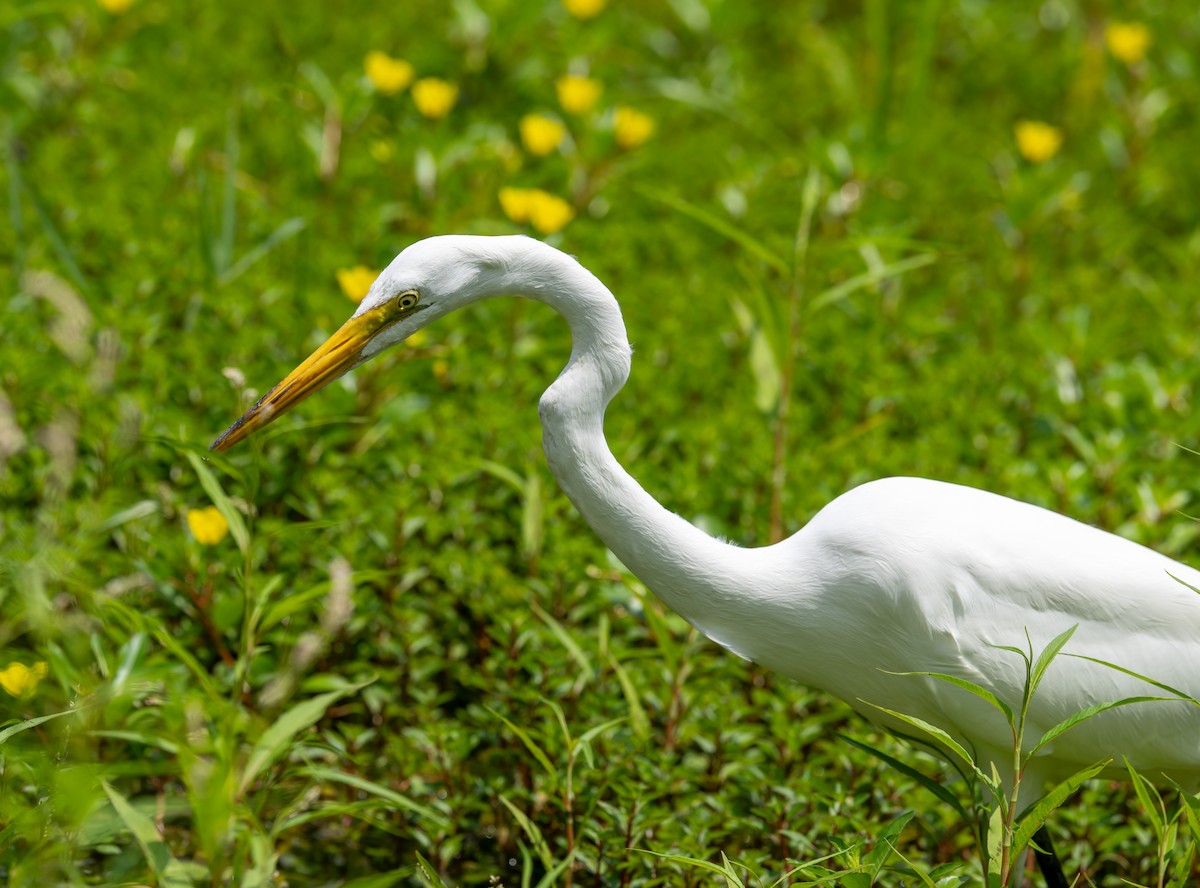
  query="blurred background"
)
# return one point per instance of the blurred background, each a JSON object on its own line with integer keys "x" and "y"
{"x": 378, "y": 646}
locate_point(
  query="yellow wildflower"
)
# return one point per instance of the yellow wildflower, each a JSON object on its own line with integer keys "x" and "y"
{"x": 356, "y": 282}
{"x": 388, "y": 75}
{"x": 116, "y": 7}
{"x": 515, "y": 203}
{"x": 549, "y": 213}
{"x": 584, "y": 9}
{"x": 434, "y": 96}
{"x": 540, "y": 135}
{"x": 1128, "y": 41}
{"x": 577, "y": 94}
{"x": 208, "y": 525}
{"x": 546, "y": 212}
{"x": 632, "y": 127}
{"x": 19, "y": 680}
{"x": 1037, "y": 141}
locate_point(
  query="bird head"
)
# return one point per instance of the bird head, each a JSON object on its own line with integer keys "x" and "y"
{"x": 426, "y": 281}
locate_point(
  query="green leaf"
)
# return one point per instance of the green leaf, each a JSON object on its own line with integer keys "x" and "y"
{"x": 726, "y": 229}
{"x": 637, "y": 714}
{"x": 924, "y": 780}
{"x": 1182, "y": 695}
{"x": 278, "y": 738}
{"x": 1152, "y": 803}
{"x": 1083, "y": 715}
{"x": 531, "y": 830}
{"x": 170, "y": 872}
{"x": 867, "y": 279}
{"x": 1036, "y": 815}
{"x": 428, "y": 874}
{"x": 332, "y": 775}
{"x": 1046, "y": 657}
{"x": 978, "y": 690}
{"x": 32, "y": 723}
{"x": 935, "y": 732}
{"x": 586, "y": 672}
{"x": 531, "y": 745}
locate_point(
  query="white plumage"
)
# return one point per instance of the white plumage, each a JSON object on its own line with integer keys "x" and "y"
{"x": 898, "y": 575}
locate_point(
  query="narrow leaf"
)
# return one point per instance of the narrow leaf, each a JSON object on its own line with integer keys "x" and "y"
{"x": 1033, "y": 818}
{"x": 1084, "y": 714}
{"x": 720, "y": 226}
{"x": 332, "y": 775}
{"x": 170, "y": 871}
{"x": 978, "y": 690}
{"x": 523, "y": 736}
{"x": 278, "y": 738}
{"x": 869, "y": 278}
{"x": 637, "y": 714}
{"x": 924, "y": 780}
{"x": 937, "y": 733}
{"x": 32, "y": 723}
{"x": 1046, "y": 657}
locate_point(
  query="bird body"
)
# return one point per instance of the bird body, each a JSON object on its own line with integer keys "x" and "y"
{"x": 897, "y": 575}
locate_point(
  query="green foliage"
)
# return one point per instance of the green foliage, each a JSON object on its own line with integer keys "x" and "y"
{"x": 409, "y": 661}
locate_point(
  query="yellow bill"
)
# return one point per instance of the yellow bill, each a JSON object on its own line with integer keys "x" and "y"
{"x": 341, "y": 352}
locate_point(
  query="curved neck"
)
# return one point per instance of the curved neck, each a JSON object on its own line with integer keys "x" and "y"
{"x": 710, "y": 583}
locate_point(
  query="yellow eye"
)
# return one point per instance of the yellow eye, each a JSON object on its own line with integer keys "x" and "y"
{"x": 407, "y": 300}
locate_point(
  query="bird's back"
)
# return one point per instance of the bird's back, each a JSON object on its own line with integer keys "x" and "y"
{"x": 907, "y": 574}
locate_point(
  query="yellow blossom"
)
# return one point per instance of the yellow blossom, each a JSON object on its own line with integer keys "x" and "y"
{"x": 356, "y": 281}
{"x": 577, "y": 94}
{"x": 19, "y": 680}
{"x": 515, "y": 203}
{"x": 584, "y": 9}
{"x": 1128, "y": 41}
{"x": 434, "y": 96}
{"x": 632, "y": 127}
{"x": 1037, "y": 141}
{"x": 541, "y": 135}
{"x": 116, "y": 7}
{"x": 208, "y": 525}
{"x": 388, "y": 75}
{"x": 546, "y": 212}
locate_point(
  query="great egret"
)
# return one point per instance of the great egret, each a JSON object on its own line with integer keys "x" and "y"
{"x": 897, "y": 575}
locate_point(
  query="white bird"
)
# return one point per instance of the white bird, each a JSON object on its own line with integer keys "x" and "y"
{"x": 897, "y": 575}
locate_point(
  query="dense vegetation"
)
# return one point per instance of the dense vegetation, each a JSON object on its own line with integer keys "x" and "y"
{"x": 380, "y": 634}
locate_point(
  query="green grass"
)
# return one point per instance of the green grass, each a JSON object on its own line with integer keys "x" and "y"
{"x": 417, "y": 650}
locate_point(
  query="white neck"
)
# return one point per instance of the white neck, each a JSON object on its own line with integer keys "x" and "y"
{"x": 708, "y": 582}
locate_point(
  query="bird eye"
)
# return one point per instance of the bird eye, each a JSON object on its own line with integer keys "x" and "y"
{"x": 407, "y": 300}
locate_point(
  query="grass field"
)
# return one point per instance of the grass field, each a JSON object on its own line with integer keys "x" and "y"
{"x": 378, "y": 646}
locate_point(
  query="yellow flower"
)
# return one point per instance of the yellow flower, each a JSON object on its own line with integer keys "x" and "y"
{"x": 541, "y": 135}
{"x": 1128, "y": 41}
{"x": 584, "y": 9}
{"x": 116, "y": 7}
{"x": 577, "y": 94}
{"x": 546, "y": 212}
{"x": 19, "y": 680}
{"x": 388, "y": 75}
{"x": 1037, "y": 141}
{"x": 434, "y": 96}
{"x": 515, "y": 203}
{"x": 549, "y": 213}
{"x": 208, "y": 525}
{"x": 632, "y": 127}
{"x": 356, "y": 282}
